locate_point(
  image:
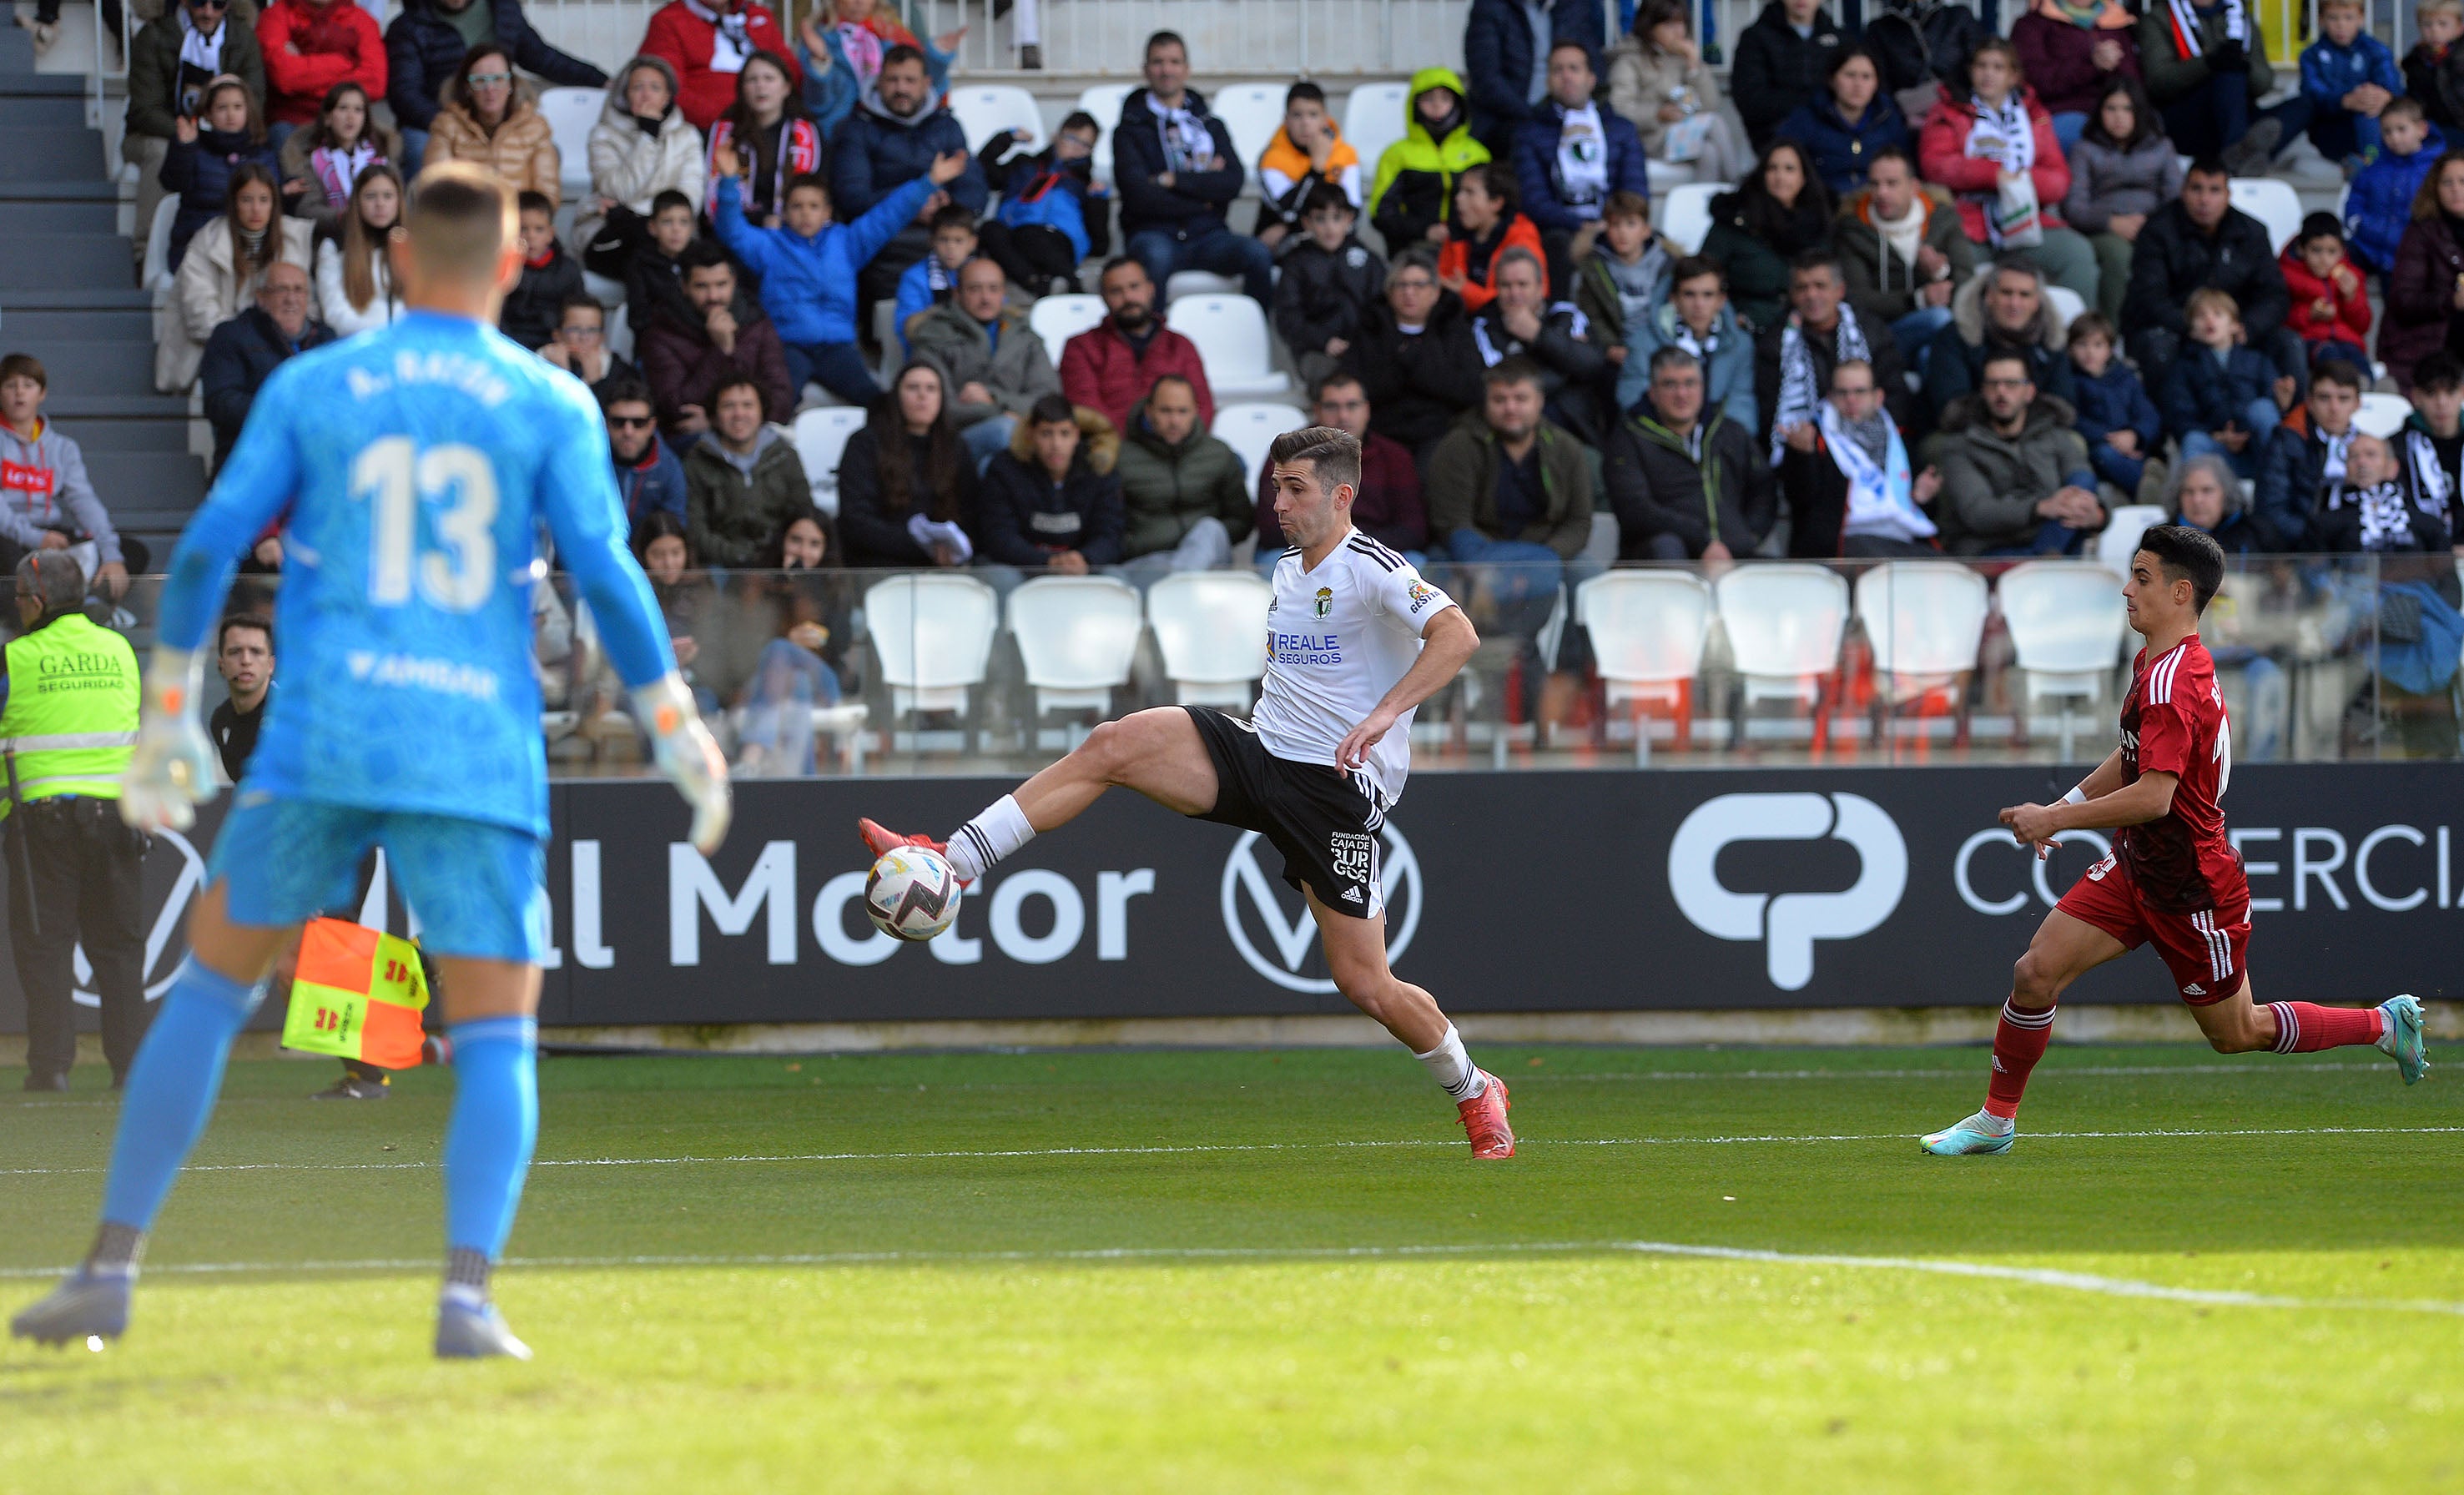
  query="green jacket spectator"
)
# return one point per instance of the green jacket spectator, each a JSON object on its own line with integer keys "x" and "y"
{"x": 1169, "y": 485}
{"x": 1415, "y": 189}
{"x": 737, "y": 506}
{"x": 1461, "y": 487}
{"x": 1992, "y": 483}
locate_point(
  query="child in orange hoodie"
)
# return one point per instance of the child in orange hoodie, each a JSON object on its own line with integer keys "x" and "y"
{"x": 1306, "y": 150}
{"x": 1487, "y": 221}
{"x": 2331, "y": 306}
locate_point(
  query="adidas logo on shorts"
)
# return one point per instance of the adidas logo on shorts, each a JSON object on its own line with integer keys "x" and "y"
{"x": 2195, "y": 989}
{"x": 1351, "y": 895}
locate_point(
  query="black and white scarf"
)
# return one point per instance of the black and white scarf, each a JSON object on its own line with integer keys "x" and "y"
{"x": 731, "y": 41}
{"x": 2186, "y": 26}
{"x": 1188, "y": 145}
{"x": 201, "y": 60}
{"x": 2435, "y": 485}
{"x": 1799, "y": 390}
{"x": 2387, "y": 514}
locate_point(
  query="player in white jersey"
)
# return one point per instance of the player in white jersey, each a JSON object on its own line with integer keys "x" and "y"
{"x": 1356, "y": 642}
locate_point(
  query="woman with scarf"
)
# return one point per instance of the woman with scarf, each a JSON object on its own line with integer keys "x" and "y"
{"x": 2122, "y": 169}
{"x": 1777, "y": 213}
{"x": 2072, "y": 51}
{"x": 489, "y": 120}
{"x": 1848, "y": 121}
{"x": 1993, "y": 146}
{"x": 772, "y": 135}
{"x": 2424, "y": 297}
{"x": 707, "y": 42}
{"x": 219, "y": 274}
{"x": 2206, "y": 67}
{"x": 322, "y": 162}
{"x": 841, "y": 47}
{"x": 641, "y": 146}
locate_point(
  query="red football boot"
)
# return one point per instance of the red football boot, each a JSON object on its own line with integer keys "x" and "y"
{"x": 1484, "y": 1119}
{"x": 881, "y": 841}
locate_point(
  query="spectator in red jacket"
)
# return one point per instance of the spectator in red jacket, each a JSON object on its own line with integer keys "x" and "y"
{"x": 707, "y": 45}
{"x": 1112, "y": 365}
{"x": 1389, "y": 508}
{"x": 310, "y": 46}
{"x": 2331, "y": 305}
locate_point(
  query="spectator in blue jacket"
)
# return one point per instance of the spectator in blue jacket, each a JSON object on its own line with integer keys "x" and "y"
{"x": 649, "y": 476}
{"x": 2220, "y": 396}
{"x": 425, "y": 47}
{"x": 899, "y": 129}
{"x": 2118, "y": 421}
{"x": 1842, "y": 126}
{"x": 809, "y": 267}
{"x": 2303, "y": 455}
{"x": 1176, "y": 170}
{"x": 2349, "y": 77}
{"x": 843, "y": 44}
{"x": 1570, "y": 156}
{"x": 225, "y": 134}
{"x": 2380, "y": 205}
{"x": 1053, "y": 215}
{"x": 1697, "y": 317}
{"x": 1506, "y": 61}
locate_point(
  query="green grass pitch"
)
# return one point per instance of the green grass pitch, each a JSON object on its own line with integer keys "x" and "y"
{"x": 1196, "y": 1272}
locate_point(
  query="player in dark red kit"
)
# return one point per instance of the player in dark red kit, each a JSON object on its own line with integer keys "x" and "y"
{"x": 2173, "y": 880}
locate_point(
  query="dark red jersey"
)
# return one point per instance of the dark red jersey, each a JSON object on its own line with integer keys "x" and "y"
{"x": 2173, "y": 722}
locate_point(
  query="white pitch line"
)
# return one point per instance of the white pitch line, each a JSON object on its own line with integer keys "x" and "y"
{"x": 2029, "y": 1276}
{"x": 1171, "y": 1149}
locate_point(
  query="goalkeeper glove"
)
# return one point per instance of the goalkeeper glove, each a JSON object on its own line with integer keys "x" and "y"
{"x": 172, "y": 770}
{"x": 688, "y": 754}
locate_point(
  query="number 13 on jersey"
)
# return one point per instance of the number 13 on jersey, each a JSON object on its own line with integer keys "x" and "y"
{"x": 459, "y": 483}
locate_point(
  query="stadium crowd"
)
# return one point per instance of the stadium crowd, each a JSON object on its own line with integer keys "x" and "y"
{"x": 1965, "y": 298}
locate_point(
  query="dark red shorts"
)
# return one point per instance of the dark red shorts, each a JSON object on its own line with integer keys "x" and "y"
{"x": 2204, "y": 951}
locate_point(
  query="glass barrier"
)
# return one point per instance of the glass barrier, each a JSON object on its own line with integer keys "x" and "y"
{"x": 1768, "y": 663}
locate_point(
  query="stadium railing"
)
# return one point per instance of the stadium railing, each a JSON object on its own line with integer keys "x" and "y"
{"x": 2320, "y": 658}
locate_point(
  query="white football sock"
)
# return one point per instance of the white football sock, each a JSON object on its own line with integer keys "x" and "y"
{"x": 980, "y": 843}
{"x": 1453, "y": 1067}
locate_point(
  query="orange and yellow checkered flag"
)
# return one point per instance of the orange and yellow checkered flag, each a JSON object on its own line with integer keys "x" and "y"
{"x": 358, "y": 994}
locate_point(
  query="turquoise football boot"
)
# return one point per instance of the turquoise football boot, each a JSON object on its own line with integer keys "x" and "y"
{"x": 2402, "y": 1040}
{"x": 1974, "y": 1137}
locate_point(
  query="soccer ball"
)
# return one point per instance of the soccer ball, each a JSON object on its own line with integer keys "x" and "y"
{"x": 911, "y": 893}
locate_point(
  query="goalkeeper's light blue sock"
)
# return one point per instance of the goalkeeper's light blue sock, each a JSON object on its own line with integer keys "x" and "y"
{"x": 172, "y": 1090}
{"x": 488, "y": 1142}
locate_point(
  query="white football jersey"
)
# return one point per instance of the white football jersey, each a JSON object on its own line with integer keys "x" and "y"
{"x": 1337, "y": 639}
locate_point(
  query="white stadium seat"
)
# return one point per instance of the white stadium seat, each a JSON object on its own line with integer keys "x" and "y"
{"x": 1251, "y": 114}
{"x": 620, "y": 332}
{"x": 2068, "y": 304}
{"x": 1210, "y": 626}
{"x": 1078, "y": 636}
{"x": 1373, "y": 120}
{"x": 1924, "y": 620}
{"x": 1058, "y": 318}
{"x": 933, "y": 633}
{"x": 2066, "y": 630}
{"x": 821, "y": 435}
{"x": 1200, "y": 282}
{"x": 1648, "y": 629}
{"x": 986, "y": 109}
{"x": 2271, "y": 202}
{"x": 1104, "y": 103}
{"x": 1687, "y": 216}
{"x": 570, "y": 113}
{"x": 1250, "y": 431}
{"x": 1230, "y": 332}
{"x": 2120, "y": 540}
{"x": 2383, "y": 414}
{"x": 158, "y": 244}
{"x": 1784, "y": 622}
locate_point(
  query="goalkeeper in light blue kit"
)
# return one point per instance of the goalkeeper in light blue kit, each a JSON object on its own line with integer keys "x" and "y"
{"x": 413, "y": 467}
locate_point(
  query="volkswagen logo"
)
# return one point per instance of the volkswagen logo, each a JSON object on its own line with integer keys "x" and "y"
{"x": 1284, "y": 919}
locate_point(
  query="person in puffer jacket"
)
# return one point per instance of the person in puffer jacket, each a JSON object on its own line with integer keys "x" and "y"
{"x": 1053, "y": 215}
{"x": 808, "y": 268}
{"x": 1051, "y": 499}
{"x": 2380, "y": 205}
{"x": 1415, "y": 192}
{"x": 1330, "y": 283}
{"x": 226, "y": 135}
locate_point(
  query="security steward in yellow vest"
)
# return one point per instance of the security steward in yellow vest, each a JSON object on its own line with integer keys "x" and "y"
{"x": 68, "y": 722}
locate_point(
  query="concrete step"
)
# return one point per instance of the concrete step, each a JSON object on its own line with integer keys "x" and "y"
{"x": 167, "y": 430}
{"x": 156, "y": 488}
{"x": 27, "y": 111}
{"x": 17, "y": 50}
{"x": 60, "y": 207}
{"x": 76, "y": 364}
{"x": 55, "y": 261}
{"x": 101, "y": 328}
{"x": 53, "y": 155}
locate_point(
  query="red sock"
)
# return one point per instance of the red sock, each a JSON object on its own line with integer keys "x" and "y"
{"x": 2019, "y": 1041}
{"x": 2304, "y": 1027}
